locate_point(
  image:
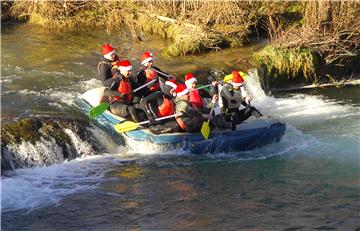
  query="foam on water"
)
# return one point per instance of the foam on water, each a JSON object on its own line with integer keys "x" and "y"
{"x": 330, "y": 123}
{"x": 306, "y": 117}
{"x": 147, "y": 148}
{"x": 297, "y": 109}
{"x": 37, "y": 187}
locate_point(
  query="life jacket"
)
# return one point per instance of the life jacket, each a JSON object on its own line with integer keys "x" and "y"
{"x": 109, "y": 63}
{"x": 195, "y": 98}
{"x": 235, "y": 100}
{"x": 150, "y": 75}
{"x": 124, "y": 88}
{"x": 166, "y": 108}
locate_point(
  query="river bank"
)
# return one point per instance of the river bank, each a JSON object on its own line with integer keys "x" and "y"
{"x": 302, "y": 49}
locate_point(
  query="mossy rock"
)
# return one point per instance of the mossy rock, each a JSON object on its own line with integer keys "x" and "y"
{"x": 48, "y": 141}
{"x": 22, "y": 130}
{"x": 32, "y": 129}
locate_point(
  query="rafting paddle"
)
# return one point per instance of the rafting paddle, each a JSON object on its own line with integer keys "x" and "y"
{"x": 101, "y": 108}
{"x": 161, "y": 73}
{"x": 130, "y": 126}
{"x": 98, "y": 110}
{"x": 205, "y": 128}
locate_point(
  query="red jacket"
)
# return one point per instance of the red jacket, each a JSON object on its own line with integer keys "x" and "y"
{"x": 195, "y": 99}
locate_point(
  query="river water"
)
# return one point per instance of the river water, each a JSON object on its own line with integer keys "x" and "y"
{"x": 310, "y": 180}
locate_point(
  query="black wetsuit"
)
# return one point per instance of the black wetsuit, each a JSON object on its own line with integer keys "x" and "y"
{"x": 141, "y": 80}
{"x": 232, "y": 99}
{"x": 104, "y": 70}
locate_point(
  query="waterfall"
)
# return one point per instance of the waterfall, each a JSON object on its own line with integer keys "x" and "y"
{"x": 33, "y": 142}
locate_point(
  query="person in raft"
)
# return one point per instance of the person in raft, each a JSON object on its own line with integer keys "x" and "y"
{"x": 107, "y": 61}
{"x": 160, "y": 104}
{"x": 190, "y": 120}
{"x": 120, "y": 92}
{"x": 195, "y": 98}
{"x": 234, "y": 95}
{"x": 149, "y": 72}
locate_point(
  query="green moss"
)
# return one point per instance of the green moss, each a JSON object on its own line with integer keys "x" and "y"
{"x": 278, "y": 62}
{"x": 22, "y": 130}
{"x": 32, "y": 129}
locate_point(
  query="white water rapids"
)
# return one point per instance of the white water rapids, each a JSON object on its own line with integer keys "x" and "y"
{"x": 315, "y": 126}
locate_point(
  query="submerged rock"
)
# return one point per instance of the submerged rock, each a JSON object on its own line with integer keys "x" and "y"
{"x": 41, "y": 141}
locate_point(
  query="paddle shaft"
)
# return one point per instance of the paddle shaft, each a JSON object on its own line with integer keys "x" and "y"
{"x": 205, "y": 86}
{"x": 212, "y": 109}
{"x": 159, "y": 72}
{"x": 145, "y": 85}
{"x": 161, "y": 118}
{"x": 169, "y": 76}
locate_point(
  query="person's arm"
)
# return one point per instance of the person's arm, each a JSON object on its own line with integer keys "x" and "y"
{"x": 247, "y": 99}
{"x": 133, "y": 82}
{"x": 243, "y": 92}
{"x": 214, "y": 89}
{"x": 189, "y": 111}
{"x": 110, "y": 93}
{"x": 115, "y": 83}
{"x": 151, "y": 97}
{"x": 115, "y": 71}
{"x": 141, "y": 77}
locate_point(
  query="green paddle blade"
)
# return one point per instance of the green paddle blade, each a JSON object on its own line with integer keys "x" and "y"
{"x": 205, "y": 130}
{"x": 126, "y": 126}
{"x": 98, "y": 110}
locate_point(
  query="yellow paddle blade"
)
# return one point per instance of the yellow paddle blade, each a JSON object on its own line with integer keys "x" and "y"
{"x": 126, "y": 126}
{"x": 228, "y": 78}
{"x": 205, "y": 130}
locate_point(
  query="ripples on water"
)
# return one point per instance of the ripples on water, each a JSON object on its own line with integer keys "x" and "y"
{"x": 307, "y": 181}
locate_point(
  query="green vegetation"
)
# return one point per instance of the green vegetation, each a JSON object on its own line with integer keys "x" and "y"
{"x": 306, "y": 37}
{"x": 279, "y": 62}
{"x": 326, "y": 37}
{"x": 194, "y": 26}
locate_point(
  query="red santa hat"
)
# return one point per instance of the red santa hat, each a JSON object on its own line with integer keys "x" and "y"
{"x": 237, "y": 80}
{"x": 181, "y": 90}
{"x": 146, "y": 57}
{"x": 189, "y": 79}
{"x": 124, "y": 65}
{"x": 171, "y": 83}
{"x": 107, "y": 50}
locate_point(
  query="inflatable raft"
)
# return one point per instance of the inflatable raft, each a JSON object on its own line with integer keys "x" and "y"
{"x": 248, "y": 135}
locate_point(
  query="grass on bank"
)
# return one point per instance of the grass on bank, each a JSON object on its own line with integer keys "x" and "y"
{"x": 279, "y": 62}
{"x": 194, "y": 26}
{"x": 328, "y": 36}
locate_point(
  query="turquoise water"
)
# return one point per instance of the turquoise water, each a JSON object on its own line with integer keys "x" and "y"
{"x": 310, "y": 180}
